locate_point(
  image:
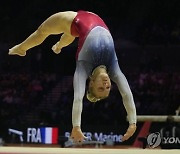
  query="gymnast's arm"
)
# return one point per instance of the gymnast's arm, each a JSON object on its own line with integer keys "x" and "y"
{"x": 64, "y": 41}
{"x": 118, "y": 77}
{"x": 76, "y": 133}
{"x": 79, "y": 84}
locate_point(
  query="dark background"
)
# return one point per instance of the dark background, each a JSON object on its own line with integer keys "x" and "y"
{"x": 37, "y": 89}
{"x": 131, "y": 23}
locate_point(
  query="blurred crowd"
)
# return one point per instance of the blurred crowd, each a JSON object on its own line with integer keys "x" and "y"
{"x": 21, "y": 94}
{"x": 155, "y": 93}
{"x": 158, "y": 33}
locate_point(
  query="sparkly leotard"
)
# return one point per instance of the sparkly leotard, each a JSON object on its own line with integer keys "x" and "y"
{"x": 96, "y": 47}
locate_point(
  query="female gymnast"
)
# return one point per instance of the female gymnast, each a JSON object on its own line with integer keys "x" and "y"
{"x": 95, "y": 58}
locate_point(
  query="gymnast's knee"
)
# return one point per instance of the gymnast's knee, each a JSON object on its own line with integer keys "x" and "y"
{"x": 41, "y": 31}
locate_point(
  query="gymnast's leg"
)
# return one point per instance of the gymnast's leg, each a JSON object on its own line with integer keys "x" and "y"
{"x": 33, "y": 40}
{"x": 53, "y": 25}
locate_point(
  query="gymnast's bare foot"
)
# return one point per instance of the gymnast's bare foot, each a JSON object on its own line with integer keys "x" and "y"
{"x": 17, "y": 51}
{"x": 56, "y": 48}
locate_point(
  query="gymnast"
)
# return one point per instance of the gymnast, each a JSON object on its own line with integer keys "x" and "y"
{"x": 95, "y": 59}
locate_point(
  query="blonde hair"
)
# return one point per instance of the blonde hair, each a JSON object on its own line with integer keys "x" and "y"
{"x": 90, "y": 95}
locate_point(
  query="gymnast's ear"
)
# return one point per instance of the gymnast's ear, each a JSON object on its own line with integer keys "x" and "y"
{"x": 90, "y": 82}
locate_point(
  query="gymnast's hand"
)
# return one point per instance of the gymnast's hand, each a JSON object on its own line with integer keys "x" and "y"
{"x": 56, "y": 48}
{"x": 77, "y": 135}
{"x": 130, "y": 131}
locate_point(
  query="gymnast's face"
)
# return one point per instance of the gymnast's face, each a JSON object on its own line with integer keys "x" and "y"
{"x": 101, "y": 85}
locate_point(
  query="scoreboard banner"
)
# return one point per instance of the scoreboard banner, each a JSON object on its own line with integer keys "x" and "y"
{"x": 43, "y": 135}
{"x": 145, "y": 133}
